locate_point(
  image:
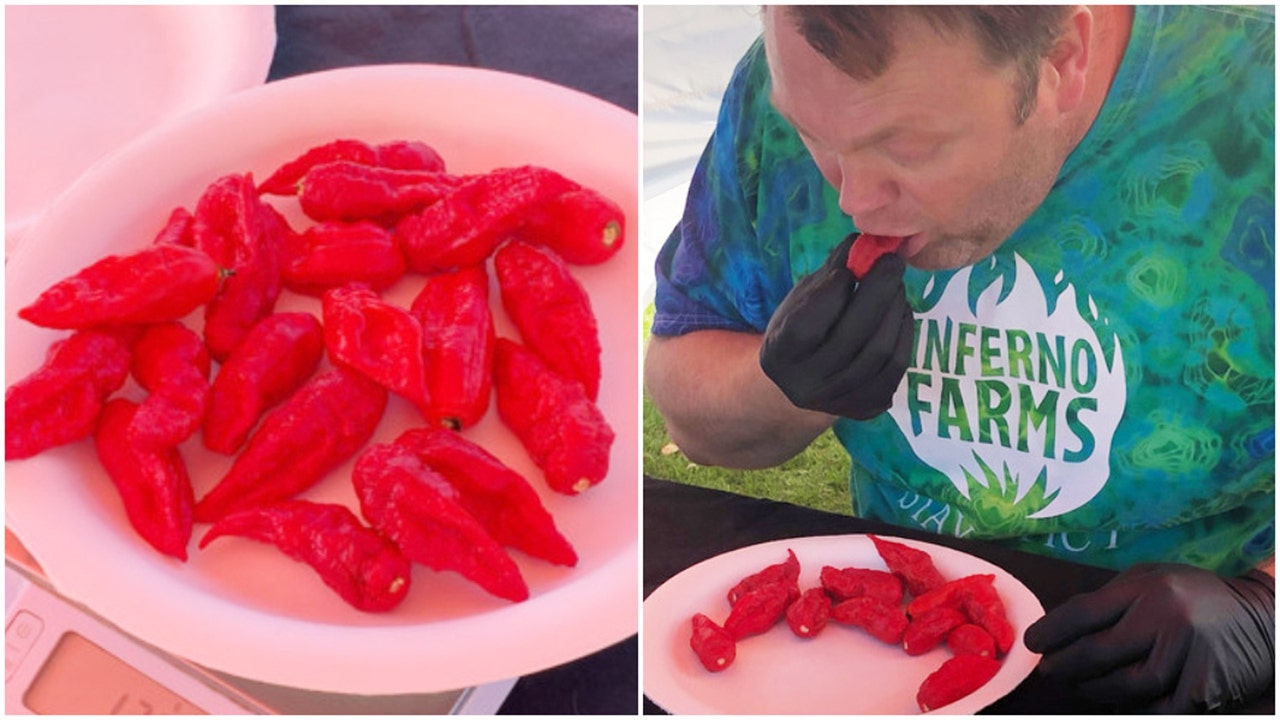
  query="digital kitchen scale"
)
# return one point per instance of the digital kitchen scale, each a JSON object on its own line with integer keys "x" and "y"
{"x": 62, "y": 659}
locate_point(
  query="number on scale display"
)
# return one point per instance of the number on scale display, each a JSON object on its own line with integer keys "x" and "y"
{"x": 81, "y": 678}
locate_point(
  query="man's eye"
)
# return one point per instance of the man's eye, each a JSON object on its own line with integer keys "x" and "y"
{"x": 912, "y": 151}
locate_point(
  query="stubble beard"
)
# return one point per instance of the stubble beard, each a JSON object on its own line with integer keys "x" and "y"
{"x": 1010, "y": 199}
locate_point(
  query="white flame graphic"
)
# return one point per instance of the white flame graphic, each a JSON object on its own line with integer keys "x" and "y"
{"x": 1085, "y": 399}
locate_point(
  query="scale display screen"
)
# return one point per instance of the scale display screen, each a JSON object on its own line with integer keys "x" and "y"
{"x": 113, "y": 688}
{"x": 61, "y": 659}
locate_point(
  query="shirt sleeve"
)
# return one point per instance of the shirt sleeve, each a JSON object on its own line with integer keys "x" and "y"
{"x": 712, "y": 272}
{"x": 759, "y": 215}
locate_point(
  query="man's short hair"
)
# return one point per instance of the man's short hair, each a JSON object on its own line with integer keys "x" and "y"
{"x": 859, "y": 39}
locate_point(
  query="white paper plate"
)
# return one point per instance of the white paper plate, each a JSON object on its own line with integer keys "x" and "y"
{"x": 241, "y": 607}
{"x": 81, "y": 81}
{"x": 842, "y": 671}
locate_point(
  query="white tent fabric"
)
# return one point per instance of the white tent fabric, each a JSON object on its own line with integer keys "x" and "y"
{"x": 689, "y": 54}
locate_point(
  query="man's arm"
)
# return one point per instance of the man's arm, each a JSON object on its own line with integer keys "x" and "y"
{"x": 719, "y": 406}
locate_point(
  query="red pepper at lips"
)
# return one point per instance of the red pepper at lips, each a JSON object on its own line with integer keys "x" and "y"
{"x": 866, "y": 250}
{"x": 320, "y": 426}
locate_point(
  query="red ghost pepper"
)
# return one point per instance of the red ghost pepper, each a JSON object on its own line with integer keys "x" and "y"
{"x": 929, "y": 630}
{"x": 331, "y": 254}
{"x": 551, "y": 310}
{"x": 846, "y": 583}
{"x": 152, "y": 481}
{"x": 350, "y": 191}
{"x": 913, "y": 565}
{"x": 497, "y": 496}
{"x": 954, "y": 679}
{"x": 419, "y": 511}
{"x": 464, "y": 227}
{"x": 808, "y": 615}
{"x": 177, "y": 229}
{"x": 244, "y": 235}
{"x": 881, "y": 620}
{"x": 582, "y": 226}
{"x": 170, "y": 362}
{"x": 321, "y": 425}
{"x": 284, "y": 180}
{"x": 364, "y": 568}
{"x": 277, "y": 356}
{"x": 395, "y": 154}
{"x": 971, "y": 639}
{"x": 759, "y": 609}
{"x": 786, "y": 572}
{"x": 565, "y": 434}
{"x": 377, "y": 339}
{"x": 458, "y": 340}
{"x": 714, "y": 646}
{"x": 59, "y": 402}
{"x": 155, "y": 284}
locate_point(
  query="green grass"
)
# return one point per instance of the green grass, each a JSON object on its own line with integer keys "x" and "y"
{"x": 817, "y": 477}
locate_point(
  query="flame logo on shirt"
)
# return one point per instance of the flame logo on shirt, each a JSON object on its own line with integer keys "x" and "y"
{"x": 1010, "y": 400}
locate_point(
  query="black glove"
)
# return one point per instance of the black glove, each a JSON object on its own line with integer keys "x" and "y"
{"x": 1164, "y": 638}
{"x": 841, "y": 346}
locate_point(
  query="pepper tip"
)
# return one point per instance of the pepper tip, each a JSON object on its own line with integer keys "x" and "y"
{"x": 612, "y": 231}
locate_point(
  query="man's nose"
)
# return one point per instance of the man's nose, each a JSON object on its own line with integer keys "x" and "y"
{"x": 865, "y": 188}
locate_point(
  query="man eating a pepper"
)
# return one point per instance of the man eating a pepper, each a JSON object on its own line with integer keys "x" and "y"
{"x": 1071, "y": 351}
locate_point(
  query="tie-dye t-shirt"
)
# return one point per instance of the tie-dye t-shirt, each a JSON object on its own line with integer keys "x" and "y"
{"x": 1102, "y": 387}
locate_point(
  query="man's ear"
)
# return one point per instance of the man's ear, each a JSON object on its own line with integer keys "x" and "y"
{"x": 1067, "y": 62}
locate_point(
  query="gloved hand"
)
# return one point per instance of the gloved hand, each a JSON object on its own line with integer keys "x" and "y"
{"x": 840, "y": 346}
{"x": 1164, "y": 638}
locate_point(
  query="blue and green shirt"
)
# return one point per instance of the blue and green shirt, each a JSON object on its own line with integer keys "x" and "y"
{"x": 1102, "y": 387}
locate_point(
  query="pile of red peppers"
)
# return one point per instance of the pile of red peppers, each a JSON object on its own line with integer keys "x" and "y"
{"x": 289, "y": 396}
{"x": 909, "y": 604}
